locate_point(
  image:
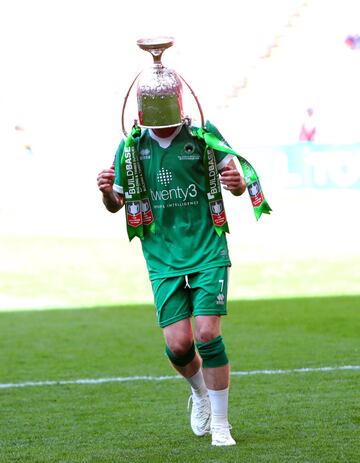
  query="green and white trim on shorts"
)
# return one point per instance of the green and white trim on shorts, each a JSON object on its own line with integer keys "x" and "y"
{"x": 200, "y": 293}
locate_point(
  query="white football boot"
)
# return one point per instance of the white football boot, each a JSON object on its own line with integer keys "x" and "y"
{"x": 221, "y": 435}
{"x": 200, "y": 414}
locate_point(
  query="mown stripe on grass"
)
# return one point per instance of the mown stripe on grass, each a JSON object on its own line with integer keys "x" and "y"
{"x": 123, "y": 379}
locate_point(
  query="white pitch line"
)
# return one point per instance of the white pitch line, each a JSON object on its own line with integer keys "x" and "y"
{"x": 295, "y": 370}
{"x": 124, "y": 379}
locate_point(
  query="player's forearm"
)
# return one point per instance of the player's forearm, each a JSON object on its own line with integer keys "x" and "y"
{"x": 112, "y": 201}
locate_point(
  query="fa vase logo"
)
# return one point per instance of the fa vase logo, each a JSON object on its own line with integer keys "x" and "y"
{"x": 217, "y": 207}
{"x": 255, "y": 194}
{"x": 147, "y": 214}
{"x": 218, "y": 213}
{"x": 134, "y": 213}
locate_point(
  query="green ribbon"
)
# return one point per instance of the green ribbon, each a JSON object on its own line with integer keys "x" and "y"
{"x": 216, "y": 203}
{"x": 139, "y": 216}
{"x": 213, "y": 142}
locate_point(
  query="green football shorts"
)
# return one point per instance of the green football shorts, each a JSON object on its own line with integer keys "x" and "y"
{"x": 201, "y": 293}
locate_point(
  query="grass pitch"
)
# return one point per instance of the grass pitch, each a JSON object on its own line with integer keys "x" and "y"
{"x": 292, "y": 417}
{"x": 68, "y": 272}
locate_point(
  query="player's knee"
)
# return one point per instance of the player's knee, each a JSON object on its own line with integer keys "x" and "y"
{"x": 205, "y": 334}
{"x": 213, "y": 353}
{"x": 180, "y": 354}
{"x": 179, "y": 345}
{"x": 207, "y": 328}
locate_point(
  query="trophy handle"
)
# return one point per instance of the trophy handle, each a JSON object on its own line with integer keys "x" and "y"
{"x": 124, "y": 105}
{"x": 197, "y": 101}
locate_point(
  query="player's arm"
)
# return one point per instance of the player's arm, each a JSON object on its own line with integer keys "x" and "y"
{"x": 112, "y": 200}
{"x": 231, "y": 179}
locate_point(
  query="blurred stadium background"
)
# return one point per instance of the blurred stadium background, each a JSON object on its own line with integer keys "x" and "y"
{"x": 256, "y": 67}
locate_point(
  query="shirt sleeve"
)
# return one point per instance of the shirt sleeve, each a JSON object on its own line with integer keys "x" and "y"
{"x": 224, "y": 161}
{"x": 118, "y": 187}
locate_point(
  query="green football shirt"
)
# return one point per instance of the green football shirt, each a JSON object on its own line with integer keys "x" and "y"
{"x": 185, "y": 240}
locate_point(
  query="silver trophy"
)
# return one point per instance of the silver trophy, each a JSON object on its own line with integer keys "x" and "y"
{"x": 159, "y": 90}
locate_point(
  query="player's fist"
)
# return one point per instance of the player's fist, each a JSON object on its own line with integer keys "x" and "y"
{"x": 231, "y": 180}
{"x": 105, "y": 180}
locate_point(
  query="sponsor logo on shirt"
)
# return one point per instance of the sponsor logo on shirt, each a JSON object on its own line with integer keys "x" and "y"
{"x": 164, "y": 177}
{"x": 174, "y": 195}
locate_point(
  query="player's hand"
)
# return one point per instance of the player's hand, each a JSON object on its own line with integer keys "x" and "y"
{"x": 231, "y": 180}
{"x": 105, "y": 180}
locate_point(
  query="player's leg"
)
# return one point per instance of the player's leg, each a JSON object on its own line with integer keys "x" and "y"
{"x": 209, "y": 294}
{"x": 216, "y": 367}
{"x": 180, "y": 348}
{"x": 216, "y": 370}
{"x": 174, "y": 309}
{"x": 183, "y": 357}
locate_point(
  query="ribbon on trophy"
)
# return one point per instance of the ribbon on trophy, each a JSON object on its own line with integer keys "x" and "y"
{"x": 214, "y": 194}
{"x": 139, "y": 215}
{"x": 213, "y": 142}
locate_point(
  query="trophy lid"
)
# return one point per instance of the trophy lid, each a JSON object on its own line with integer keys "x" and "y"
{"x": 156, "y": 46}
